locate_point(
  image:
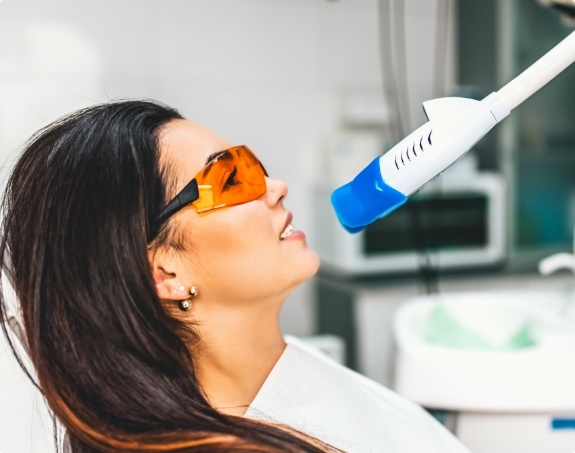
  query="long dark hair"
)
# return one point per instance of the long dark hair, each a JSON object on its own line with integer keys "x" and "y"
{"x": 79, "y": 216}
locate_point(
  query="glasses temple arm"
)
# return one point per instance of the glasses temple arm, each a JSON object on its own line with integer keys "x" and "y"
{"x": 188, "y": 195}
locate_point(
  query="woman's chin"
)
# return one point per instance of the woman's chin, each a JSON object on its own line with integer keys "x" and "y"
{"x": 311, "y": 266}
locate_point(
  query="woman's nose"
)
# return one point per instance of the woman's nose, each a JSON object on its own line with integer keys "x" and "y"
{"x": 277, "y": 190}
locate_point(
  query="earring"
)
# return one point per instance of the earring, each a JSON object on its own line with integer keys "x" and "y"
{"x": 186, "y": 304}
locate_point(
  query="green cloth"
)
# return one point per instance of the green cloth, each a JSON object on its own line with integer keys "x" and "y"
{"x": 444, "y": 330}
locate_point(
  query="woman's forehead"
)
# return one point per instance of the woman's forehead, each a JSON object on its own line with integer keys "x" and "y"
{"x": 185, "y": 145}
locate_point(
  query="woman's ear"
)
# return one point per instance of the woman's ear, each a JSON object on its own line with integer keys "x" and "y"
{"x": 168, "y": 284}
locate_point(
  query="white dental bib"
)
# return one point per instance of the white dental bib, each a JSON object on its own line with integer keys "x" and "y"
{"x": 313, "y": 394}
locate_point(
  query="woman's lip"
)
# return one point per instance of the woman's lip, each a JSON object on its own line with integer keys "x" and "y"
{"x": 296, "y": 235}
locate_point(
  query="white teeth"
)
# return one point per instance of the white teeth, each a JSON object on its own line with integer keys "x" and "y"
{"x": 287, "y": 231}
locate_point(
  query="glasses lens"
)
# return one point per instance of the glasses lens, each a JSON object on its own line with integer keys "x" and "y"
{"x": 233, "y": 177}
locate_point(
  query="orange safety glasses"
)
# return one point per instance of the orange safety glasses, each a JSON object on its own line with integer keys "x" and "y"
{"x": 231, "y": 177}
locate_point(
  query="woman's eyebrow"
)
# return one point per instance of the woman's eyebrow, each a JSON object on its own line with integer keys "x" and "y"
{"x": 215, "y": 156}
{"x": 224, "y": 155}
{"x": 212, "y": 157}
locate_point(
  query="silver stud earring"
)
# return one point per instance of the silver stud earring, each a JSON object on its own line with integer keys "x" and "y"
{"x": 186, "y": 303}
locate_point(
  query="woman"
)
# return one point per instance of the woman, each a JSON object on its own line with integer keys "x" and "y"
{"x": 151, "y": 259}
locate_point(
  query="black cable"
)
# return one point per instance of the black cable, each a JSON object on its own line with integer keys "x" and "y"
{"x": 426, "y": 270}
{"x": 392, "y": 22}
{"x": 429, "y": 271}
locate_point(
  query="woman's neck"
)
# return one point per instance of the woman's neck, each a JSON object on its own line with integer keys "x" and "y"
{"x": 239, "y": 348}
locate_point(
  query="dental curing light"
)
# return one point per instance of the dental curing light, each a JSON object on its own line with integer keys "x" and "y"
{"x": 454, "y": 126}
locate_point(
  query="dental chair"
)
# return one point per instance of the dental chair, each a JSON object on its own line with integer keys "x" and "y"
{"x": 25, "y": 422}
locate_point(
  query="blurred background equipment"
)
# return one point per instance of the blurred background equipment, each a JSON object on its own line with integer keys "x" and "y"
{"x": 533, "y": 154}
{"x": 565, "y": 7}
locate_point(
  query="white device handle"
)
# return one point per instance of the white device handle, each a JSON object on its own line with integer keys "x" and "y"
{"x": 454, "y": 126}
{"x": 539, "y": 73}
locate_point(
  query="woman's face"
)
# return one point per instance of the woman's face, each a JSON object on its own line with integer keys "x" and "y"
{"x": 233, "y": 254}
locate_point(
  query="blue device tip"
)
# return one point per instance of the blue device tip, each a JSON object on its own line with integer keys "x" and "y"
{"x": 365, "y": 199}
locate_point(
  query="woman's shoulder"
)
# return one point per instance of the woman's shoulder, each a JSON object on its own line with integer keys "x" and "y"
{"x": 313, "y": 393}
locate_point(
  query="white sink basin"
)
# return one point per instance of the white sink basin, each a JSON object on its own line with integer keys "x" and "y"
{"x": 489, "y": 375}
